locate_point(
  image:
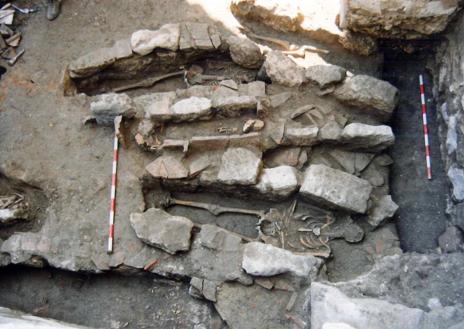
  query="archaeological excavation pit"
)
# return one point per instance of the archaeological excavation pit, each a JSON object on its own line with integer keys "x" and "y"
{"x": 266, "y": 174}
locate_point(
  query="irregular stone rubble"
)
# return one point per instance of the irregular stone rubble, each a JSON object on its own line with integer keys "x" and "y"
{"x": 281, "y": 69}
{"x": 261, "y": 259}
{"x": 162, "y": 230}
{"x": 316, "y": 19}
{"x": 452, "y": 240}
{"x": 167, "y": 167}
{"x": 381, "y": 209}
{"x": 406, "y": 19}
{"x": 329, "y": 306}
{"x": 336, "y": 188}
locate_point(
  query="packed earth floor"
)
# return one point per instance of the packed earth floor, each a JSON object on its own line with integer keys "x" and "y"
{"x": 259, "y": 186}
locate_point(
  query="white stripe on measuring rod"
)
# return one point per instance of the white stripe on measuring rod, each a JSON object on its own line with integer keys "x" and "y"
{"x": 421, "y": 81}
{"x": 424, "y": 118}
{"x": 110, "y": 244}
{"x": 114, "y": 167}
{"x": 423, "y": 99}
{"x": 428, "y": 162}
{"x": 426, "y": 138}
{"x": 113, "y": 191}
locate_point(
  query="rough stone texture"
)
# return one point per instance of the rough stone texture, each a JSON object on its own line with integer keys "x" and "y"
{"x": 191, "y": 109}
{"x": 300, "y": 136}
{"x": 325, "y": 75}
{"x": 156, "y": 106}
{"x": 449, "y": 95}
{"x": 278, "y": 182}
{"x": 261, "y": 259}
{"x": 456, "y": 177}
{"x": 15, "y": 319}
{"x": 283, "y": 70}
{"x": 404, "y": 19}
{"x": 167, "y": 36}
{"x": 331, "y": 132}
{"x": 198, "y": 36}
{"x": 167, "y": 167}
{"x": 452, "y": 240}
{"x": 367, "y": 137}
{"x": 239, "y": 166}
{"x": 96, "y": 60}
{"x": 370, "y": 94}
{"x": 381, "y": 209}
{"x": 245, "y": 52}
{"x": 397, "y": 279}
{"x": 330, "y": 305}
{"x": 252, "y": 307}
{"x": 336, "y": 188}
{"x": 106, "y": 107}
{"x": 162, "y": 230}
{"x": 315, "y": 19}
{"x": 253, "y": 125}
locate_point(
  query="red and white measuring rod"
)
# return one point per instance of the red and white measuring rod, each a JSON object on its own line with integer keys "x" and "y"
{"x": 425, "y": 127}
{"x": 113, "y": 194}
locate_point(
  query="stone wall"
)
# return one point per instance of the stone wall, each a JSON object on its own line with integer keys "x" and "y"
{"x": 449, "y": 93}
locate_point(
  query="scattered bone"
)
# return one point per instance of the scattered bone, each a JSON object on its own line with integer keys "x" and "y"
{"x": 14, "y": 40}
{"x": 12, "y": 61}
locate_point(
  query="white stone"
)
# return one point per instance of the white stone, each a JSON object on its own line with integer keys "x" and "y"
{"x": 167, "y": 167}
{"x": 162, "y": 230}
{"x": 144, "y": 42}
{"x": 456, "y": 177}
{"x": 261, "y": 259}
{"x": 283, "y": 70}
{"x": 190, "y": 109}
{"x": 239, "y": 166}
{"x": 336, "y": 188}
{"x": 279, "y": 181}
{"x": 368, "y": 137}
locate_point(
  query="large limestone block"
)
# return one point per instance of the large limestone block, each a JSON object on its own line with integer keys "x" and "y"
{"x": 397, "y": 19}
{"x": 368, "y": 137}
{"x": 325, "y": 75}
{"x": 239, "y": 166}
{"x": 167, "y": 36}
{"x": 336, "y": 188}
{"x": 283, "y": 70}
{"x": 96, "y": 60}
{"x": 266, "y": 260}
{"x": 162, "y": 230}
{"x": 369, "y": 94}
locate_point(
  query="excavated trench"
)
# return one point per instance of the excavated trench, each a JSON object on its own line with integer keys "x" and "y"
{"x": 144, "y": 300}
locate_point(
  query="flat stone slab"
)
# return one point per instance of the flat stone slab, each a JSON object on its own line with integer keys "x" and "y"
{"x": 96, "y": 60}
{"x": 367, "y": 137}
{"x": 108, "y": 106}
{"x": 278, "y": 182}
{"x": 232, "y": 106}
{"x": 167, "y": 167}
{"x": 336, "y": 188}
{"x": 159, "y": 229}
{"x": 370, "y": 94}
{"x": 300, "y": 136}
{"x": 190, "y": 109}
{"x": 239, "y": 166}
{"x": 167, "y": 36}
{"x": 261, "y": 259}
